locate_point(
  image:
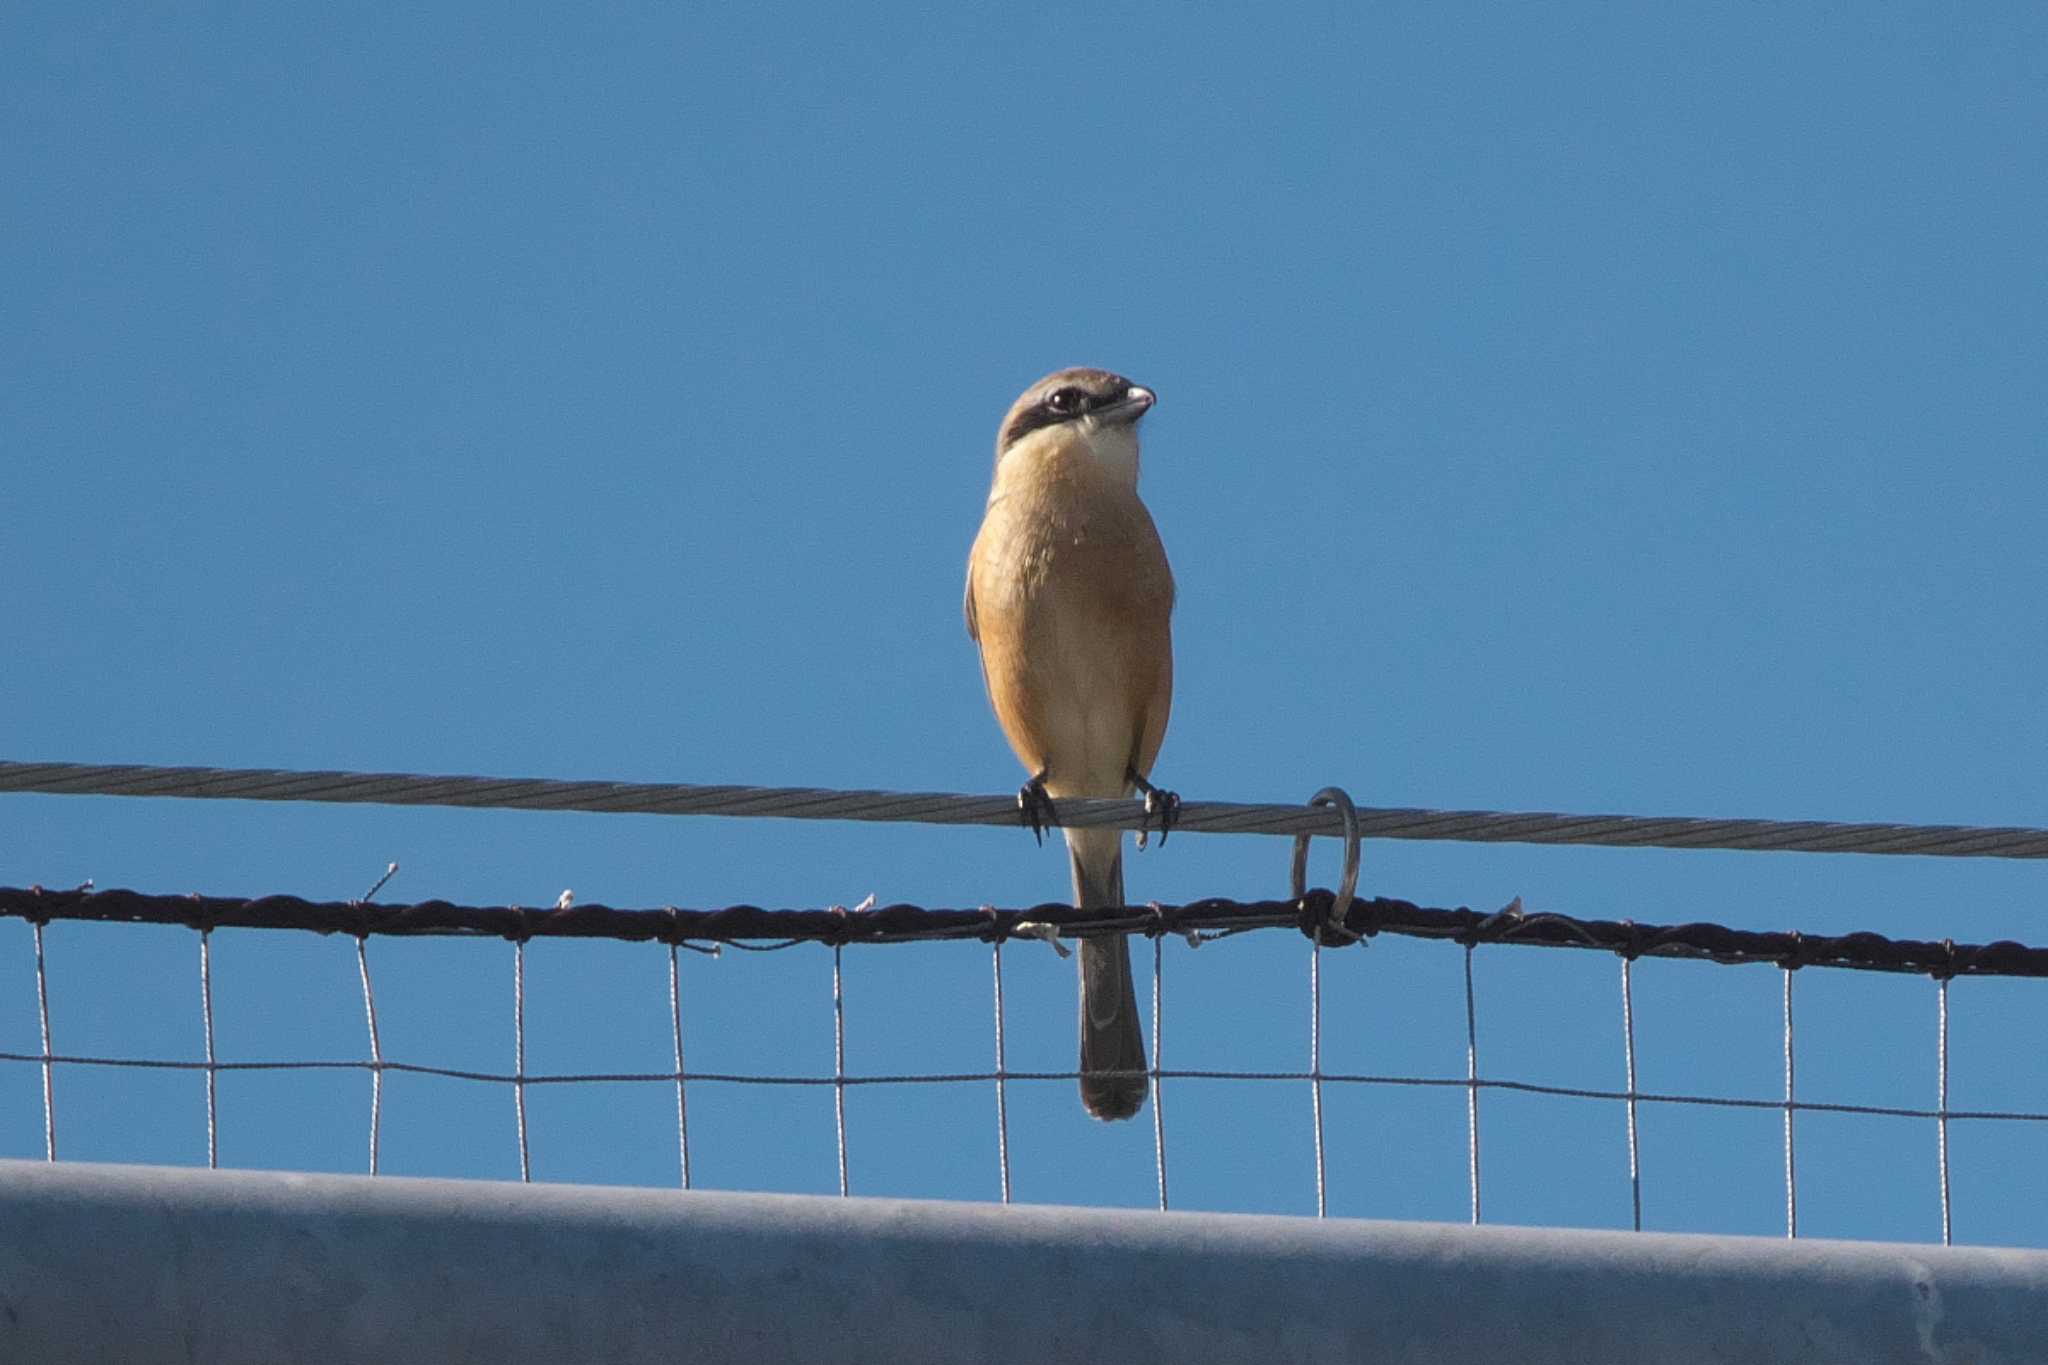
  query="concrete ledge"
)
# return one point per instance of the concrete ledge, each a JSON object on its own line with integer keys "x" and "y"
{"x": 103, "y": 1263}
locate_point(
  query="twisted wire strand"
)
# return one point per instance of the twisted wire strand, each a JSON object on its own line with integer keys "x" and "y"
{"x": 751, "y": 926}
{"x": 945, "y": 808}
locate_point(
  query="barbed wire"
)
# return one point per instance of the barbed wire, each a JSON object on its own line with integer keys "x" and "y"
{"x": 750, "y": 925}
{"x": 943, "y": 808}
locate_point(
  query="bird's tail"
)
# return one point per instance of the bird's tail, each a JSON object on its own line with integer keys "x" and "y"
{"x": 1110, "y": 1040}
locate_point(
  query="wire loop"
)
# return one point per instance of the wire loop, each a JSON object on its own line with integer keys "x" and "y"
{"x": 1347, "y": 888}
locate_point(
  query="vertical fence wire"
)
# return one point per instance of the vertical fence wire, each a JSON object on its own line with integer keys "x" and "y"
{"x": 839, "y": 1065}
{"x": 675, "y": 1015}
{"x": 212, "y": 1070}
{"x": 1471, "y": 1083}
{"x": 1791, "y": 1164}
{"x": 1628, "y": 1048}
{"x": 519, "y": 1053}
{"x": 1002, "y": 1079}
{"x": 376, "y": 1053}
{"x": 1789, "y": 1107}
{"x": 1315, "y": 1063}
{"x": 1158, "y": 1087}
{"x": 43, "y": 1014}
{"x": 370, "y": 1020}
{"x": 1941, "y": 1048}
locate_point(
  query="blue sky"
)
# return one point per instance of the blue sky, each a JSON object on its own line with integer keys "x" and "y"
{"x": 1571, "y": 408}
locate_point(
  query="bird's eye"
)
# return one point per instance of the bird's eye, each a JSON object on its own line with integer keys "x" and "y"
{"x": 1066, "y": 401}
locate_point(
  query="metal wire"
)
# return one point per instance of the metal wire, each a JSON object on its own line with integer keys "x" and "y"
{"x": 1307, "y": 913}
{"x": 1941, "y": 1048}
{"x": 519, "y": 1053}
{"x": 675, "y": 1011}
{"x": 376, "y": 1054}
{"x": 1472, "y": 1083}
{"x": 1337, "y": 799}
{"x": 942, "y": 808}
{"x": 1067, "y": 1077}
{"x": 370, "y": 1017}
{"x": 1002, "y": 1081}
{"x": 1628, "y": 1047}
{"x": 1791, "y": 1107}
{"x": 1158, "y": 1084}
{"x": 839, "y": 1066}
{"x": 1315, "y": 1063}
{"x": 750, "y": 926}
{"x": 43, "y": 1015}
{"x": 212, "y": 1070}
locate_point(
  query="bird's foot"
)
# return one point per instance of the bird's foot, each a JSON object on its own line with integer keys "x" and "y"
{"x": 1160, "y": 805}
{"x": 1034, "y": 808}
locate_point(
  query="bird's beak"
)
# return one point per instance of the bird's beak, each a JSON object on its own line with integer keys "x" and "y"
{"x": 1130, "y": 407}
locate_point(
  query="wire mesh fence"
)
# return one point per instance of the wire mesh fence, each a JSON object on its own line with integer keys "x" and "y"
{"x": 1325, "y": 925}
{"x": 1324, "y": 922}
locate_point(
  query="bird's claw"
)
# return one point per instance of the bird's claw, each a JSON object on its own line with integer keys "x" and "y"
{"x": 1034, "y": 809}
{"x": 1160, "y": 805}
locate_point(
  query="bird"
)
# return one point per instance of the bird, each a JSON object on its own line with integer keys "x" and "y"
{"x": 1070, "y": 600}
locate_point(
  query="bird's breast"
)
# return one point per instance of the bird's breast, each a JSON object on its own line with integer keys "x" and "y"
{"x": 1070, "y": 545}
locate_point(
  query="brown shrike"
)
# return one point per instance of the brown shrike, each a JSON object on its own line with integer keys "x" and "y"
{"x": 1070, "y": 598}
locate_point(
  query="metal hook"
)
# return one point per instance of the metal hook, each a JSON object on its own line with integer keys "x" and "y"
{"x": 1348, "y": 886}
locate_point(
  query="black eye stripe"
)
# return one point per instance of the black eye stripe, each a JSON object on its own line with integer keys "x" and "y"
{"x": 1069, "y": 396}
{"x": 1028, "y": 421}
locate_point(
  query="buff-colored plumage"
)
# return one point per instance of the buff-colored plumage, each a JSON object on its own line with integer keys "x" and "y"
{"x": 1070, "y": 597}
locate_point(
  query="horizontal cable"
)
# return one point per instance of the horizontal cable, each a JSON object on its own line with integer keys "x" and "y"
{"x": 963, "y": 1077}
{"x": 942, "y": 808}
{"x": 743, "y": 924}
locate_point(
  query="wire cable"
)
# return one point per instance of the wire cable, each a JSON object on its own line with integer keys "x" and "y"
{"x": 769, "y": 930}
{"x": 942, "y": 808}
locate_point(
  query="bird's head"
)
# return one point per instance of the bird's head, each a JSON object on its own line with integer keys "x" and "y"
{"x": 1095, "y": 409}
